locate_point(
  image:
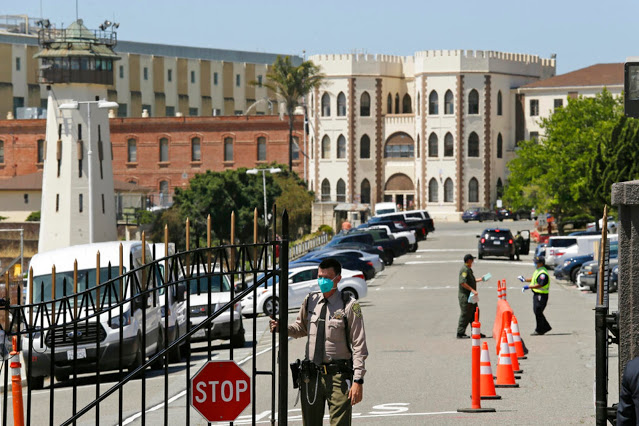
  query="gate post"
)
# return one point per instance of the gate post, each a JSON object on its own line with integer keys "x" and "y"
{"x": 283, "y": 321}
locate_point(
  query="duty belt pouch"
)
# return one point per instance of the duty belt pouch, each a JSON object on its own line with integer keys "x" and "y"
{"x": 296, "y": 368}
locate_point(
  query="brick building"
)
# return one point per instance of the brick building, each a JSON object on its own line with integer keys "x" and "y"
{"x": 165, "y": 152}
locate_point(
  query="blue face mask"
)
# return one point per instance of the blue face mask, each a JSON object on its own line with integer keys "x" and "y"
{"x": 325, "y": 284}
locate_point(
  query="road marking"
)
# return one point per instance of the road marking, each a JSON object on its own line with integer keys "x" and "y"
{"x": 437, "y": 250}
{"x": 181, "y": 394}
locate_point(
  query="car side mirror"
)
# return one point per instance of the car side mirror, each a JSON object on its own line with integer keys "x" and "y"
{"x": 181, "y": 292}
{"x": 290, "y": 281}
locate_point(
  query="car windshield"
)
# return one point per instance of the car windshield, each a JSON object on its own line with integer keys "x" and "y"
{"x": 42, "y": 285}
{"x": 214, "y": 282}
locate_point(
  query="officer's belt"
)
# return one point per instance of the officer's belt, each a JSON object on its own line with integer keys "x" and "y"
{"x": 339, "y": 366}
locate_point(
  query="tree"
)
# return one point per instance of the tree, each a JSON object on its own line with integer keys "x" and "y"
{"x": 291, "y": 83}
{"x": 554, "y": 174}
{"x": 617, "y": 160}
{"x": 297, "y": 200}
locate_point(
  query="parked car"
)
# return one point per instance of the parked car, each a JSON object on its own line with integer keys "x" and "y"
{"x": 568, "y": 268}
{"x": 583, "y": 233}
{"x": 302, "y": 280}
{"x": 478, "y": 213}
{"x": 347, "y": 262}
{"x": 587, "y": 277}
{"x": 504, "y": 213}
{"x": 367, "y": 248}
{"x": 556, "y": 248}
{"x": 378, "y": 264}
{"x": 395, "y": 229}
{"x": 496, "y": 242}
{"x": 613, "y": 284}
{"x": 79, "y": 349}
{"x": 208, "y": 294}
{"x": 413, "y": 221}
{"x": 541, "y": 249}
{"x": 392, "y": 248}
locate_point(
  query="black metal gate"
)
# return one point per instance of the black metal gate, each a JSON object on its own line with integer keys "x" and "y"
{"x": 83, "y": 344}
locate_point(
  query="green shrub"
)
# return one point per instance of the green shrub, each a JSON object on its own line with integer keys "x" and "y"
{"x": 144, "y": 217}
{"x": 327, "y": 229}
{"x": 34, "y": 217}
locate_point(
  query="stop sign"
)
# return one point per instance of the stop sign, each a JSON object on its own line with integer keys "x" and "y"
{"x": 220, "y": 391}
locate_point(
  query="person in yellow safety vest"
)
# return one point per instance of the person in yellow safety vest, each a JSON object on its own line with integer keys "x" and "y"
{"x": 540, "y": 285}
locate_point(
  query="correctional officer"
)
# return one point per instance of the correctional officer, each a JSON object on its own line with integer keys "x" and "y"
{"x": 467, "y": 285}
{"x": 628, "y": 408}
{"x": 540, "y": 285}
{"x": 333, "y": 370}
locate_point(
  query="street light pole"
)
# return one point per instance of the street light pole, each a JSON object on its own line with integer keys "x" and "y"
{"x": 272, "y": 171}
{"x": 102, "y": 104}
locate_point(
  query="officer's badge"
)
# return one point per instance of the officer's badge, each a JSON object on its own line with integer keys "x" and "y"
{"x": 357, "y": 310}
{"x": 464, "y": 274}
{"x": 339, "y": 314}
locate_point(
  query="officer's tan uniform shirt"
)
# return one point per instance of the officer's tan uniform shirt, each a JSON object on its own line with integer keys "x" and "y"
{"x": 336, "y": 346}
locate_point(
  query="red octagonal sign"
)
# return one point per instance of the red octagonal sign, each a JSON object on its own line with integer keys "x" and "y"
{"x": 220, "y": 391}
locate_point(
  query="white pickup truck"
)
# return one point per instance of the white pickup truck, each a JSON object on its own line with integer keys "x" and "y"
{"x": 408, "y": 234}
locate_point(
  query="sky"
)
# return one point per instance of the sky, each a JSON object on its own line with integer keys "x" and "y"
{"x": 580, "y": 33}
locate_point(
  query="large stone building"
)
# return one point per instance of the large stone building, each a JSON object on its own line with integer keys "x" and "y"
{"x": 164, "y": 80}
{"x": 434, "y": 130}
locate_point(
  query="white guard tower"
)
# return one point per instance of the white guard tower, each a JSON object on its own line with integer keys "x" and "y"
{"x": 78, "y": 202}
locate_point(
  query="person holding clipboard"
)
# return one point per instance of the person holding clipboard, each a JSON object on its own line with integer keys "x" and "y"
{"x": 468, "y": 296}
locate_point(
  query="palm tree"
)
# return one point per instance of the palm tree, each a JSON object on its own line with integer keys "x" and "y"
{"x": 291, "y": 83}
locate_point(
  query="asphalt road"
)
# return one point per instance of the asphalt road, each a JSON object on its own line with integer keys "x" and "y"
{"x": 418, "y": 372}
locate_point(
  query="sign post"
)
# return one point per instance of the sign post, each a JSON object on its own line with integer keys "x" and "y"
{"x": 220, "y": 391}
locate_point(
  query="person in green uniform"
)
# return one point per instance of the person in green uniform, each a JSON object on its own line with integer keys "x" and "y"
{"x": 467, "y": 285}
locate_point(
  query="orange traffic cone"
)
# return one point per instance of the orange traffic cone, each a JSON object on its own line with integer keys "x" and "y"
{"x": 503, "y": 289}
{"x": 519, "y": 346}
{"x": 505, "y": 375}
{"x": 487, "y": 385}
{"x": 513, "y": 351}
{"x": 499, "y": 293}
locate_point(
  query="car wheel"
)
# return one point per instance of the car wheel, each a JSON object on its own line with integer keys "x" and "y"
{"x": 573, "y": 274}
{"x": 389, "y": 258}
{"x": 139, "y": 360}
{"x": 613, "y": 287}
{"x": 512, "y": 257}
{"x": 517, "y": 217}
{"x": 159, "y": 362}
{"x": 480, "y": 219}
{"x": 501, "y": 219}
{"x": 465, "y": 221}
{"x": 62, "y": 377}
{"x": 239, "y": 340}
{"x": 36, "y": 383}
{"x": 352, "y": 293}
{"x": 268, "y": 306}
{"x": 176, "y": 354}
{"x": 480, "y": 255}
{"x": 413, "y": 248}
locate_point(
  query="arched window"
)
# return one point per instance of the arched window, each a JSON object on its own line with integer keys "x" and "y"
{"x": 500, "y": 146}
{"x": 500, "y": 188}
{"x": 433, "y": 145}
{"x": 261, "y": 148}
{"x": 164, "y": 150}
{"x": 433, "y": 103}
{"x": 326, "y": 105}
{"x": 341, "y": 191}
{"x": 341, "y": 147}
{"x": 433, "y": 189}
{"x": 389, "y": 104}
{"x": 365, "y": 147}
{"x": 448, "y": 191}
{"x": 131, "y": 151}
{"x": 449, "y": 106}
{"x": 326, "y": 147}
{"x": 473, "y": 102}
{"x": 473, "y": 145}
{"x": 418, "y": 100}
{"x": 499, "y": 103}
{"x": 341, "y": 104}
{"x": 407, "y": 104}
{"x": 326, "y": 190}
{"x": 449, "y": 145}
{"x": 196, "y": 149}
{"x": 396, "y": 103}
{"x": 399, "y": 145}
{"x": 365, "y": 105}
{"x": 365, "y": 192}
{"x": 473, "y": 191}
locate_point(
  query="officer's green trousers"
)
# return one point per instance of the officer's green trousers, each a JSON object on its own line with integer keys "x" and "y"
{"x": 466, "y": 313}
{"x": 331, "y": 389}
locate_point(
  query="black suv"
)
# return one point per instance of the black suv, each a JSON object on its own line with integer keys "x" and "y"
{"x": 496, "y": 242}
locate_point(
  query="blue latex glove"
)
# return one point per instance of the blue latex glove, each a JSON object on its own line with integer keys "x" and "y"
{"x": 524, "y": 288}
{"x": 521, "y": 278}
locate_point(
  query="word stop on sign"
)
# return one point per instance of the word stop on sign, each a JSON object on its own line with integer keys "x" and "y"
{"x": 214, "y": 391}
